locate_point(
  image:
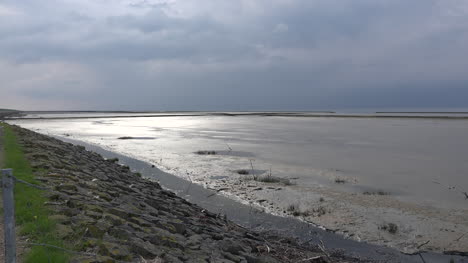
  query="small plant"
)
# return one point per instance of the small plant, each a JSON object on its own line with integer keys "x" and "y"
{"x": 321, "y": 199}
{"x": 340, "y": 180}
{"x": 138, "y": 174}
{"x": 390, "y": 227}
{"x": 292, "y": 208}
{"x": 320, "y": 211}
{"x": 268, "y": 179}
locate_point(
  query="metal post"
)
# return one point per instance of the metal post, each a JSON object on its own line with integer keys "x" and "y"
{"x": 9, "y": 213}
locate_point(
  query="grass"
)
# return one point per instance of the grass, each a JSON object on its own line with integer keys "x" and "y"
{"x": 32, "y": 216}
{"x": 269, "y": 178}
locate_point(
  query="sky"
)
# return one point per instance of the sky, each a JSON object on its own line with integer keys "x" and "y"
{"x": 233, "y": 54}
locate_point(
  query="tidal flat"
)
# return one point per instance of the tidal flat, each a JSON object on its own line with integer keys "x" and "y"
{"x": 388, "y": 181}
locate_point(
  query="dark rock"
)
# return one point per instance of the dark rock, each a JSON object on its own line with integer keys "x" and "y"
{"x": 115, "y": 251}
{"x": 66, "y": 187}
{"x": 145, "y": 249}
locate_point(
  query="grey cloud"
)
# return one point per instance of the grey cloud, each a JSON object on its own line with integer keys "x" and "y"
{"x": 328, "y": 53}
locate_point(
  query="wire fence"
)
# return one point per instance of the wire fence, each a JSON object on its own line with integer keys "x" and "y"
{"x": 9, "y": 224}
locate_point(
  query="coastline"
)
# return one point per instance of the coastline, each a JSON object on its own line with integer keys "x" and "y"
{"x": 355, "y": 215}
{"x": 331, "y": 114}
{"x": 123, "y": 217}
{"x": 334, "y": 242}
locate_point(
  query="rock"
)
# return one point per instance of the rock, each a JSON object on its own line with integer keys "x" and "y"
{"x": 62, "y": 219}
{"x": 116, "y": 251}
{"x": 97, "y": 259}
{"x": 171, "y": 259}
{"x": 179, "y": 228}
{"x": 145, "y": 249}
{"x": 120, "y": 213}
{"x": 119, "y": 233}
{"x": 218, "y": 237}
{"x": 261, "y": 259}
{"x": 66, "y": 187}
{"x": 95, "y": 232}
{"x": 94, "y": 215}
{"x": 232, "y": 247}
{"x": 63, "y": 231}
{"x": 139, "y": 222}
{"x": 113, "y": 219}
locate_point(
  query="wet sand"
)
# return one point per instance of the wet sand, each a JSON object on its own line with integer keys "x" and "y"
{"x": 416, "y": 226}
{"x": 255, "y": 217}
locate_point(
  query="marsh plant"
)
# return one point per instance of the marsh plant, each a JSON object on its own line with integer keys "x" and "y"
{"x": 269, "y": 178}
{"x": 296, "y": 211}
{"x": 320, "y": 211}
{"x": 339, "y": 180}
{"x": 390, "y": 228}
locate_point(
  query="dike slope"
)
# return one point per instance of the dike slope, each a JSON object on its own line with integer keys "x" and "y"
{"x": 114, "y": 215}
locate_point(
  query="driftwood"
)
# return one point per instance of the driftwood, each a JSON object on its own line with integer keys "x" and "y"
{"x": 425, "y": 243}
{"x": 217, "y": 191}
{"x": 321, "y": 246}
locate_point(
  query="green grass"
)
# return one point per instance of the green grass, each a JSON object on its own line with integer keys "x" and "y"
{"x": 31, "y": 213}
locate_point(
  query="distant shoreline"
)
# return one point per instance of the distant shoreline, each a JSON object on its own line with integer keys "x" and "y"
{"x": 265, "y": 114}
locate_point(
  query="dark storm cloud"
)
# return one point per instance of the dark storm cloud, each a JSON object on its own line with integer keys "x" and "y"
{"x": 276, "y": 54}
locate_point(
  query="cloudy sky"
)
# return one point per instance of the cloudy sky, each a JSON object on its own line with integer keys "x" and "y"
{"x": 233, "y": 54}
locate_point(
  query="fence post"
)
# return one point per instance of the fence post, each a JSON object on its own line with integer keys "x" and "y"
{"x": 9, "y": 213}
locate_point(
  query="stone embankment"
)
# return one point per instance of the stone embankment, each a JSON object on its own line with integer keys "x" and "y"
{"x": 113, "y": 215}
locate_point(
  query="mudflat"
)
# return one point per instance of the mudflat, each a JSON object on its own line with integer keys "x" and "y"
{"x": 123, "y": 217}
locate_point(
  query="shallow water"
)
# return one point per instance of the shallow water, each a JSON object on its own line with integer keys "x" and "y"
{"x": 424, "y": 161}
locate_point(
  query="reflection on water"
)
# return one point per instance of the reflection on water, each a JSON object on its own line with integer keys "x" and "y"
{"x": 417, "y": 160}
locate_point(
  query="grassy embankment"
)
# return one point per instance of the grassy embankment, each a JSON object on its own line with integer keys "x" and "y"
{"x": 32, "y": 216}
